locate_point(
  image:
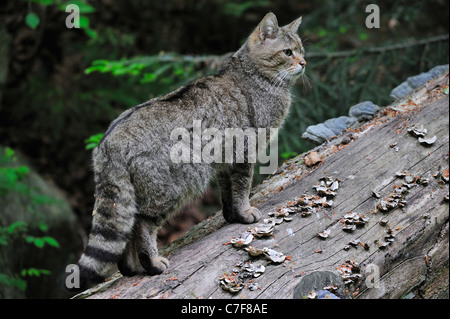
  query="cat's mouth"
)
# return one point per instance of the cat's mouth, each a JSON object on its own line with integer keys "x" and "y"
{"x": 300, "y": 70}
{"x": 297, "y": 72}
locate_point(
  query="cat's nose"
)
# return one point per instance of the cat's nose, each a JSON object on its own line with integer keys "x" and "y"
{"x": 302, "y": 63}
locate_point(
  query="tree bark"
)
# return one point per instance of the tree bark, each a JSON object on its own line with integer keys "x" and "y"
{"x": 404, "y": 256}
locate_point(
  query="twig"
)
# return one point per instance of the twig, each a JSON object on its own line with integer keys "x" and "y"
{"x": 340, "y": 54}
{"x": 375, "y": 50}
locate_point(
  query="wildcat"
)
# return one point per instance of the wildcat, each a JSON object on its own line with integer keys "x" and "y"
{"x": 138, "y": 187}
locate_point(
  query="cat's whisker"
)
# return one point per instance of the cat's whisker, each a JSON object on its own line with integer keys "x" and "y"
{"x": 277, "y": 82}
{"x": 280, "y": 82}
{"x": 306, "y": 81}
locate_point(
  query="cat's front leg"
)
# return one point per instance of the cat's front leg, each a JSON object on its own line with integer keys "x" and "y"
{"x": 235, "y": 185}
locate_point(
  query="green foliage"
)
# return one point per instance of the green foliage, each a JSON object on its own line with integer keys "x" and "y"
{"x": 12, "y": 178}
{"x": 13, "y": 281}
{"x": 162, "y": 69}
{"x": 93, "y": 141}
{"x": 34, "y": 272}
{"x": 32, "y": 20}
{"x": 18, "y": 231}
{"x": 288, "y": 155}
{"x": 40, "y": 242}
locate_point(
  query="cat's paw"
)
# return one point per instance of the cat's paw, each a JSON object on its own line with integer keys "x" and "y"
{"x": 153, "y": 265}
{"x": 248, "y": 216}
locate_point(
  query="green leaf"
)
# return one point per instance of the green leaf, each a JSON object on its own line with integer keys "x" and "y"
{"x": 17, "y": 226}
{"x": 84, "y": 22}
{"x": 45, "y": 272}
{"x": 93, "y": 68}
{"x": 363, "y": 36}
{"x": 34, "y": 272}
{"x": 445, "y": 91}
{"x": 148, "y": 77}
{"x": 9, "y": 153}
{"x": 43, "y": 227}
{"x": 322, "y": 33}
{"x": 91, "y": 146}
{"x": 32, "y": 20}
{"x": 93, "y": 141}
{"x": 83, "y": 6}
{"x": 39, "y": 242}
{"x": 51, "y": 241}
{"x": 287, "y": 155}
{"x": 91, "y": 33}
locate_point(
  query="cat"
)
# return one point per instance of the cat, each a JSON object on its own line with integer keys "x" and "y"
{"x": 138, "y": 187}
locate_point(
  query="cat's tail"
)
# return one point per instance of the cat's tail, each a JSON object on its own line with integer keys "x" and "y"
{"x": 112, "y": 225}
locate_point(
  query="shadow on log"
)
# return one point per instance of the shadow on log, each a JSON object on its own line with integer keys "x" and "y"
{"x": 398, "y": 185}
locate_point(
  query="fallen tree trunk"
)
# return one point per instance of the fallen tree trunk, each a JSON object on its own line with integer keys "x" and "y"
{"x": 399, "y": 247}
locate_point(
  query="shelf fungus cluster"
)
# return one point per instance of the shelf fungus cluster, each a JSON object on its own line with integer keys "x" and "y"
{"x": 243, "y": 275}
{"x": 388, "y": 239}
{"x": 442, "y": 176}
{"x": 270, "y": 254}
{"x": 350, "y": 272}
{"x": 420, "y": 134}
{"x": 397, "y": 197}
{"x": 305, "y": 205}
{"x": 352, "y": 220}
{"x": 243, "y": 271}
{"x": 243, "y": 240}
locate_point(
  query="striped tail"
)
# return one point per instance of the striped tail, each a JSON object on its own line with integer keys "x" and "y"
{"x": 112, "y": 224}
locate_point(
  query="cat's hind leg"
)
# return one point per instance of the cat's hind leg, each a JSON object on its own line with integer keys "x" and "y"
{"x": 129, "y": 264}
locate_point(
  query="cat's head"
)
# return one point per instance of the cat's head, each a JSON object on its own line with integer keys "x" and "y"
{"x": 277, "y": 51}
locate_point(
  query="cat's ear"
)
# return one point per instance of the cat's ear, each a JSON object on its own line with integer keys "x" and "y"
{"x": 294, "y": 25}
{"x": 268, "y": 27}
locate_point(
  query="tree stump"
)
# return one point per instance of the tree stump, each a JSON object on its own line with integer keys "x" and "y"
{"x": 399, "y": 251}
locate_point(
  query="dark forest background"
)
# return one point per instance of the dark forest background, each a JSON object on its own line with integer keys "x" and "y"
{"x": 60, "y": 88}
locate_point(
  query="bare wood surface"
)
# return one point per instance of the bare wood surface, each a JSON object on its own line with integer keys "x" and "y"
{"x": 366, "y": 159}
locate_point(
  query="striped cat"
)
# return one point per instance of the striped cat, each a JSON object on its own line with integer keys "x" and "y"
{"x": 138, "y": 187}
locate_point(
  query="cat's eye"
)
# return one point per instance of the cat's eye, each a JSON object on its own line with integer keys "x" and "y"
{"x": 288, "y": 52}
